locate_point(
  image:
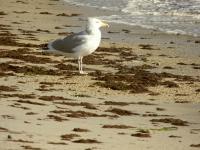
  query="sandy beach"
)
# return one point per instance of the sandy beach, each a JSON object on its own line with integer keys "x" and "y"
{"x": 142, "y": 90}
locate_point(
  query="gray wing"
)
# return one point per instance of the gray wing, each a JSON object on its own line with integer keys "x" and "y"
{"x": 69, "y": 43}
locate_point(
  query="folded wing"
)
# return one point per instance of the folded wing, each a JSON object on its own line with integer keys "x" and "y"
{"x": 69, "y": 43}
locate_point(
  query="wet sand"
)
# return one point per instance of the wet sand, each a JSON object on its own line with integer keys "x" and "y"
{"x": 142, "y": 90}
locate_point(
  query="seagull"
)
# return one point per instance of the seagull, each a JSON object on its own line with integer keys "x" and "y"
{"x": 80, "y": 44}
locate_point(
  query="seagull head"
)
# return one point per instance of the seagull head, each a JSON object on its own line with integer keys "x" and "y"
{"x": 96, "y": 23}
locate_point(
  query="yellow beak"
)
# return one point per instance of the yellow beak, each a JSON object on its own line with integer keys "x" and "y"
{"x": 103, "y": 24}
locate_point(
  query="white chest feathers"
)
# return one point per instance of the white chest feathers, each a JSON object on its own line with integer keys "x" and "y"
{"x": 93, "y": 41}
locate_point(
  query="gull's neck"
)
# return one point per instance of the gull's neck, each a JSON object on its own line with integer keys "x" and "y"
{"x": 93, "y": 30}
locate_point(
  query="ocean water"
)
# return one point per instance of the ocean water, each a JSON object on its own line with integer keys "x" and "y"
{"x": 171, "y": 16}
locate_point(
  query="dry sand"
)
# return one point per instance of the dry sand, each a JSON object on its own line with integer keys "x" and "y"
{"x": 142, "y": 91}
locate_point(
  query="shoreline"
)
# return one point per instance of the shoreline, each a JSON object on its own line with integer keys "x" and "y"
{"x": 131, "y": 35}
{"x": 142, "y": 90}
{"x": 120, "y": 12}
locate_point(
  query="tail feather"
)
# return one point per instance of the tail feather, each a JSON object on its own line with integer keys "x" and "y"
{"x": 47, "y": 47}
{"x": 50, "y": 47}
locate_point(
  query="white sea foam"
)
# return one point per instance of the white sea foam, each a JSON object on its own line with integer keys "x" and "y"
{"x": 171, "y": 16}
